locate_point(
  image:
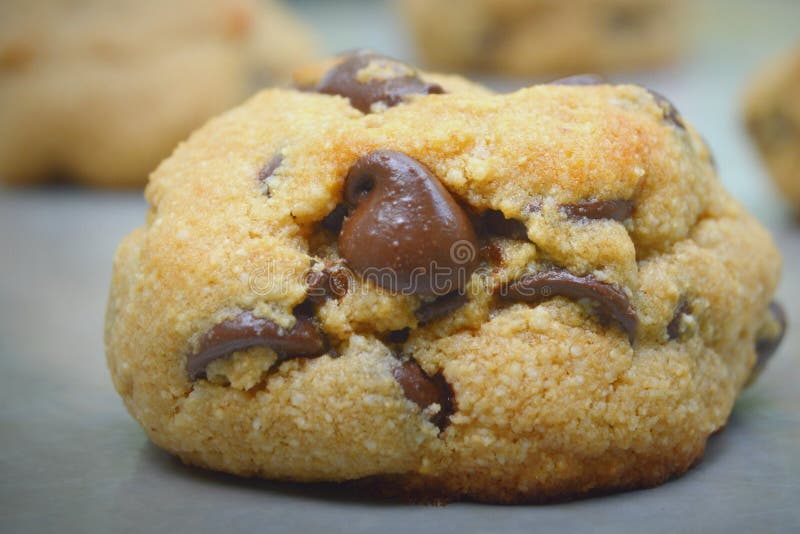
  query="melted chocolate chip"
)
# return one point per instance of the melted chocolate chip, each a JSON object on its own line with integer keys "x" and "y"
{"x": 579, "y": 79}
{"x": 766, "y": 346}
{"x": 492, "y": 252}
{"x": 332, "y": 281}
{"x": 405, "y": 232}
{"x": 245, "y": 331}
{"x": 611, "y": 303}
{"x": 269, "y": 169}
{"x": 496, "y": 223}
{"x": 671, "y": 114}
{"x": 424, "y": 390}
{"x": 618, "y": 210}
{"x": 442, "y": 306}
{"x": 674, "y": 326}
{"x": 343, "y": 79}
{"x": 334, "y": 220}
{"x": 339, "y": 281}
{"x": 306, "y": 309}
{"x": 398, "y": 336}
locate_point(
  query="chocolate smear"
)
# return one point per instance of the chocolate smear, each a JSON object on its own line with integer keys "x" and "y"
{"x": 674, "y": 326}
{"x": 245, "y": 331}
{"x": 611, "y": 303}
{"x": 424, "y": 390}
{"x": 617, "y": 210}
{"x": 440, "y": 307}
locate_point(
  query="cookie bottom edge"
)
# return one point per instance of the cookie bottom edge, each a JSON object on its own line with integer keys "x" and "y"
{"x": 416, "y": 488}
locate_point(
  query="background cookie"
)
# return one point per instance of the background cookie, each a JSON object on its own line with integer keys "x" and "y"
{"x": 772, "y": 114}
{"x": 594, "y": 332}
{"x": 529, "y": 37}
{"x": 100, "y": 92}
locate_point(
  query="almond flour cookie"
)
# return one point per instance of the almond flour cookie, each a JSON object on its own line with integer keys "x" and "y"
{"x": 401, "y": 278}
{"x": 529, "y": 37}
{"x": 99, "y": 92}
{"x": 772, "y": 112}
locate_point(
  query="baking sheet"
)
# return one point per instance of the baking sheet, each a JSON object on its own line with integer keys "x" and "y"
{"x": 72, "y": 460}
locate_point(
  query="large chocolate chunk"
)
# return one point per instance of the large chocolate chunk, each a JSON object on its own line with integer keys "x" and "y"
{"x": 405, "y": 232}
{"x": 610, "y": 302}
{"x": 389, "y": 85}
{"x": 424, "y": 390}
{"x": 245, "y": 331}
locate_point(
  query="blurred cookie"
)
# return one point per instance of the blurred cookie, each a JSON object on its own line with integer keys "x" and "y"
{"x": 532, "y": 37}
{"x": 99, "y": 92}
{"x": 772, "y": 114}
{"x": 400, "y": 275}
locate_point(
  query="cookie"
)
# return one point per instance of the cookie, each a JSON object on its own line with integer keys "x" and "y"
{"x": 100, "y": 92}
{"x": 534, "y": 37}
{"x": 402, "y": 278}
{"x": 772, "y": 114}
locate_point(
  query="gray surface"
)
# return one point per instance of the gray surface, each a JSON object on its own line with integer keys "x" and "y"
{"x": 71, "y": 460}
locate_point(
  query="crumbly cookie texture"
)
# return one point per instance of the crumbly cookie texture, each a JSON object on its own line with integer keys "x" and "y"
{"x": 100, "y": 92}
{"x": 594, "y": 308}
{"x": 772, "y": 114}
{"x": 534, "y": 37}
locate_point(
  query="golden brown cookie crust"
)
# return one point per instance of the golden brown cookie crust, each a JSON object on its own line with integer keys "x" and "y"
{"x": 549, "y": 401}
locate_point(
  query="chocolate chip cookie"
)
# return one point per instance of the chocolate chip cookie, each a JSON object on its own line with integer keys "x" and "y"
{"x": 399, "y": 277}
{"x": 530, "y": 37}
{"x": 772, "y": 113}
{"x": 100, "y": 92}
